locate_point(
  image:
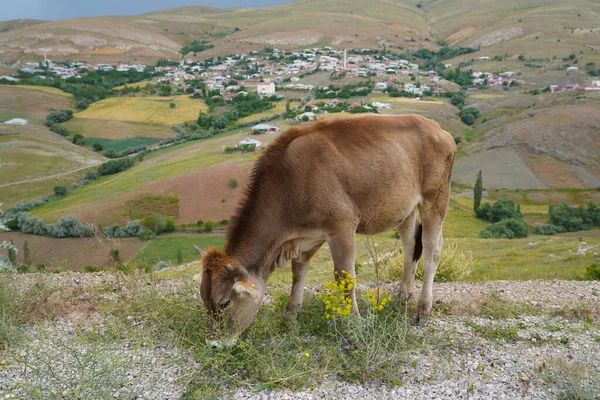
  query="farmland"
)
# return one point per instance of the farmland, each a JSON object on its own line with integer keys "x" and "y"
{"x": 147, "y": 110}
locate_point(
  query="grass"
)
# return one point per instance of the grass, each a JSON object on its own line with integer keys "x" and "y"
{"x": 278, "y": 109}
{"x": 165, "y": 249}
{"x": 116, "y": 130}
{"x": 45, "y": 89}
{"x": 119, "y": 145}
{"x": 275, "y": 353}
{"x": 152, "y": 110}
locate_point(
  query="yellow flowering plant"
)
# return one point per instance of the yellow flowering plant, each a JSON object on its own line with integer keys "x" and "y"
{"x": 333, "y": 296}
{"x": 377, "y": 298}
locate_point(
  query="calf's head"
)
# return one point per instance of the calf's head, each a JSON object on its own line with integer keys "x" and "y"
{"x": 228, "y": 291}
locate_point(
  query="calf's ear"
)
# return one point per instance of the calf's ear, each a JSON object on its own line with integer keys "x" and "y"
{"x": 243, "y": 287}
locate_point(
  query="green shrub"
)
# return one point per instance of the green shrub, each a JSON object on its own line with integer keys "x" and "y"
{"x": 468, "y": 115}
{"x": 549, "y": 229}
{"x": 90, "y": 175}
{"x": 78, "y": 139}
{"x": 57, "y": 117}
{"x": 68, "y": 227}
{"x": 169, "y": 226}
{"x": 58, "y": 129}
{"x": 511, "y": 228}
{"x": 502, "y": 209}
{"x": 208, "y": 226}
{"x": 592, "y": 272}
{"x": 146, "y": 234}
{"x": 575, "y": 218}
{"x": 60, "y": 191}
{"x": 233, "y": 183}
{"x": 97, "y": 147}
{"x": 89, "y": 268}
{"x": 114, "y": 166}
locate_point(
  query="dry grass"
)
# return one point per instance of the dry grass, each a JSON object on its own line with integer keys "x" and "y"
{"x": 147, "y": 110}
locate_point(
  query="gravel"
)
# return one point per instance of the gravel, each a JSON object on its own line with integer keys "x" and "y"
{"x": 463, "y": 356}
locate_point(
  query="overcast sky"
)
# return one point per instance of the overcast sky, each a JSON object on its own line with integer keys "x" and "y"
{"x": 63, "y": 9}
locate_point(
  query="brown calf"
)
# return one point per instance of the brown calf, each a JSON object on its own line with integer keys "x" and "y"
{"x": 325, "y": 182}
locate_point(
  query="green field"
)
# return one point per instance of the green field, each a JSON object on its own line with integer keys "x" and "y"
{"x": 119, "y": 145}
{"x": 165, "y": 248}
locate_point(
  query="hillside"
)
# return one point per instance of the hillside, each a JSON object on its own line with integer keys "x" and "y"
{"x": 536, "y": 27}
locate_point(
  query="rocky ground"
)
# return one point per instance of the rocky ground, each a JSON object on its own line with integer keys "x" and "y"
{"x": 542, "y": 342}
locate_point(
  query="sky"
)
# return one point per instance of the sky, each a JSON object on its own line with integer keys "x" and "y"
{"x": 63, "y": 9}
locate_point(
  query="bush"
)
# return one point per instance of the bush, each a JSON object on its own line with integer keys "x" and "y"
{"x": 89, "y": 268}
{"x": 68, "y": 227}
{"x": 97, "y": 147}
{"x": 455, "y": 265}
{"x": 208, "y": 226}
{"x": 502, "y": 209}
{"x": 511, "y": 228}
{"x": 133, "y": 227}
{"x": 468, "y": 115}
{"x": 57, "y": 117}
{"x": 146, "y": 234}
{"x": 169, "y": 226}
{"x": 59, "y": 129}
{"x": 592, "y": 272}
{"x": 575, "y": 218}
{"x": 549, "y": 229}
{"x": 90, "y": 175}
{"x": 200, "y": 222}
{"x": 31, "y": 224}
{"x": 78, "y": 139}
{"x": 233, "y": 183}
{"x": 115, "y": 166}
{"x": 60, "y": 191}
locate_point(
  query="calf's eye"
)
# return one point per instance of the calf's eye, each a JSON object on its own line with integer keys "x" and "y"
{"x": 223, "y": 306}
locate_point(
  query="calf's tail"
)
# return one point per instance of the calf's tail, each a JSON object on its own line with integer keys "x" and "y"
{"x": 418, "y": 243}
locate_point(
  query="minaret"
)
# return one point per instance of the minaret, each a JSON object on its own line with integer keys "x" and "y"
{"x": 345, "y": 60}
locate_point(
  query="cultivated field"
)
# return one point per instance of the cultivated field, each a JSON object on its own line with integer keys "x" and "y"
{"x": 31, "y": 102}
{"x": 146, "y": 110}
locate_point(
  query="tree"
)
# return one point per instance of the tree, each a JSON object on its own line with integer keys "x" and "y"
{"x": 97, "y": 147}
{"x": 78, "y": 139}
{"x": 60, "y": 191}
{"x": 172, "y": 105}
{"x": 477, "y": 192}
{"x": 179, "y": 256}
{"x": 12, "y": 254}
{"x": 468, "y": 115}
{"x": 26, "y": 256}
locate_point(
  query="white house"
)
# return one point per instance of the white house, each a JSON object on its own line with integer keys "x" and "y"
{"x": 250, "y": 142}
{"x": 265, "y": 88}
{"x": 572, "y": 69}
{"x": 381, "y": 106}
{"x": 16, "y": 121}
{"x": 381, "y": 85}
{"x": 264, "y": 128}
{"x": 310, "y": 115}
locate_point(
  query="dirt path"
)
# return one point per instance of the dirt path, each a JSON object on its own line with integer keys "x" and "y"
{"x": 50, "y": 176}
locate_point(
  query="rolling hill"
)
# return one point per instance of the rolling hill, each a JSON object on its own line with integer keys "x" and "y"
{"x": 536, "y": 27}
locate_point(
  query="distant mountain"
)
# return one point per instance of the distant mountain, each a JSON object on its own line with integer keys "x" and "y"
{"x": 6, "y": 26}
{"x": 535, "y": 27}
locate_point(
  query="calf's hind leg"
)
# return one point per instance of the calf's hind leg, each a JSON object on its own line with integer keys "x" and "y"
{"x": 432, "y": 218}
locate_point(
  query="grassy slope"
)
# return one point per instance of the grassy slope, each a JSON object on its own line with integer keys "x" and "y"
{"x": 33, "y": 152}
